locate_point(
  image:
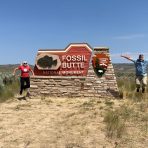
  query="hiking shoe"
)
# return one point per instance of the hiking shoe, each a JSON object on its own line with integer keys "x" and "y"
{"x": 28, "y": 94}
{"x": 143, "y": 90}
{"x": 21, "y": 96}
{"x": 17, "y": 96}
{"x": 137, "y": 89}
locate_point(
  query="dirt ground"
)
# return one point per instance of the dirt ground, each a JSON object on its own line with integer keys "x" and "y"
{"x": 58, "y": 123}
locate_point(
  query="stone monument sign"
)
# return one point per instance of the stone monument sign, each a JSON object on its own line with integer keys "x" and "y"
{"x": 77, "y": 71}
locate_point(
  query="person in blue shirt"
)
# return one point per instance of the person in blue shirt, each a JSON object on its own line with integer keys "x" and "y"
{"x": 141, "y": 71}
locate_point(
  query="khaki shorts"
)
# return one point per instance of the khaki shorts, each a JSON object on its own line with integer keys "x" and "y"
{"x": 141, "y": 80}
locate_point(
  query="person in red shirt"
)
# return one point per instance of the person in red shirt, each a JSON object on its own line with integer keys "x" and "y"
{"x": 25, "y": 77}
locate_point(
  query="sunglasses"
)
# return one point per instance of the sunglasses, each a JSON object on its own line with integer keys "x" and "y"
{"x": 24, "y": 63}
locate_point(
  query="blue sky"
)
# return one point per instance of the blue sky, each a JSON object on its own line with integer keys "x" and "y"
{"x": 28, "y": 25}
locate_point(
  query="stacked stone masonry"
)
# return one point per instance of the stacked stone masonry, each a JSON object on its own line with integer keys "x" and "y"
{"x": 90, "y": 86}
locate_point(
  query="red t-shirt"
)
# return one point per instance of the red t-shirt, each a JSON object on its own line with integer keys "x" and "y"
{"x": 24, "y": 71}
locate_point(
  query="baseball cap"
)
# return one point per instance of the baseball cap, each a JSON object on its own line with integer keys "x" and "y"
{"x": 140, "y": 55}
{"x": 24, "y": 62}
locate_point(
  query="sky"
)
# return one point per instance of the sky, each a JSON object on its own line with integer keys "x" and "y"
{"x": 29, "y": 25}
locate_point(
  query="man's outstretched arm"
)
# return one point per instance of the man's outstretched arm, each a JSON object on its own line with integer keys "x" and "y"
{"x": 127, "y": 57}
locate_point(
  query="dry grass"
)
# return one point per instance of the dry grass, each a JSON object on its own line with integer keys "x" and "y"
{"x": 51, "y": 122}
{"x": 73, "y": 123}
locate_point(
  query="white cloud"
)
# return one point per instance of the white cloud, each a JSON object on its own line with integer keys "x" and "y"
{"x": 131, "y": 54}
{"x": 116, "y": 57}
{"x": 129, "y": 37}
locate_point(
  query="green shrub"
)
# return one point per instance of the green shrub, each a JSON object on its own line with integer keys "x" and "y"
{"x": 8, "y": 91}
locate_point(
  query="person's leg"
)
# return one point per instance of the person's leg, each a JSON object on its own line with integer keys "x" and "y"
{"x": 144, "y": 83}
{"x": 28, "y": 86}
{"x": 21, "y": 85}
{"x": 138, "y": 82}
{"x": 27, "y": 83}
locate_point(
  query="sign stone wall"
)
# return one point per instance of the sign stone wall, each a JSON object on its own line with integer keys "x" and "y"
{"x": 84, "y": 84}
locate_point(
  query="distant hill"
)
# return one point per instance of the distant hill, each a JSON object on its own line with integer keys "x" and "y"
{"x": 9, "y": 67}
{"x": 120, "y": 68}
{"x": 124, "y": 69}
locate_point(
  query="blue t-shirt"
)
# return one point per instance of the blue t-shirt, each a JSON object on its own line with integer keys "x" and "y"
{"x": 141, "y": 67}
